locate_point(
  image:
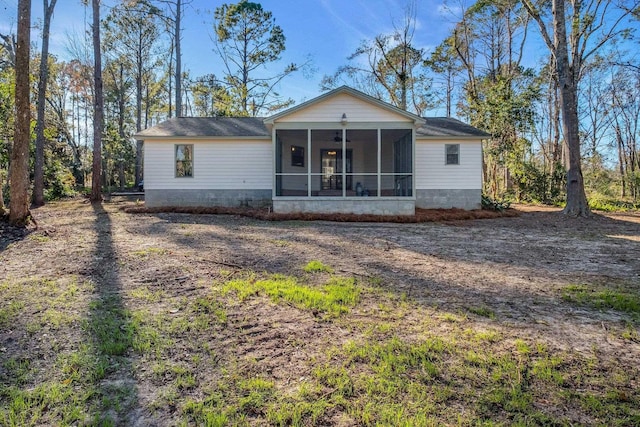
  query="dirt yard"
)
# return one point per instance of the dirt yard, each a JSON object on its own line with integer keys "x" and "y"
{"x": 525, "y": 279}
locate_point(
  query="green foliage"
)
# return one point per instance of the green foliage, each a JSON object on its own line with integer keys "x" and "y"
{"x": 597, "y": 203}
{"x": 118, "y": 156}
{"x": 538, "y": 185}
{"x": 58, "y": 178}
{"x": 210, "y": 98}
{"x": 248, "y": 39}
{"x": 494, "y": 205}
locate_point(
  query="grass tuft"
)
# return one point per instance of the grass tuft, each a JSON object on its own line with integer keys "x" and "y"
{"x": 605, "y": 299}
{"x": 332, "y": 299}
{"x": 317, "y": 267}
{"x": 483, "y": 311}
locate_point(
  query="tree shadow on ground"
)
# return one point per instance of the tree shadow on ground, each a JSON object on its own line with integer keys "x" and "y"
{"x": 10, "y": 234}
{"x": 110, "y": 330}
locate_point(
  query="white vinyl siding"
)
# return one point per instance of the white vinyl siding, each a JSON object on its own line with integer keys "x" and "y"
{"x": 224, "y": 165}
{"x": 331, "y": 110}
{"x": 433, "y": 173}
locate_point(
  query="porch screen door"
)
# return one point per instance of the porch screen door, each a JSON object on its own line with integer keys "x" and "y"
{"x": 331, "y": 167}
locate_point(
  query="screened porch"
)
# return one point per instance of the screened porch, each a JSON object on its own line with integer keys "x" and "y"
{"x": 344, "y": 163}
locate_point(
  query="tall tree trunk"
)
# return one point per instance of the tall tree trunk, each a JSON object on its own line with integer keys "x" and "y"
{"x": 121, "y": 132}
{"x": 98, "y": 106}
{"x": 170, "y": 80}
{"x": 621, "y": 162}
{"x": 178, "y": 60}
{"x": 449, "y": 90}
{"x": 19, "y": 172}
{"x": 139, "y": 77}
{"x": 38, "y": 179}
{"x": 577, "y": 204}
{"x": 2, "y": 208}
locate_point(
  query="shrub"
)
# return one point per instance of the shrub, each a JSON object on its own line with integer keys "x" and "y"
{"x": 494, "y": 205}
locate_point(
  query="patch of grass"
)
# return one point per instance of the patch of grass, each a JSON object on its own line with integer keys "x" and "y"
{"x": 281, "y": 243}
{"x": 297, "y": 412}
{"x": 208, "y": 412}
{"x": 483, "y": 311}
{"x": 522, "y": 347}
{"x": 451, "y": 318}
{"x": 631, "y": 333}
{"x": 17, "y": 369}
{"x": 211, "y": 307}
{"x": 40, "y": 238}
{"x": 489, "y": 336}
{"x": 49, "y": 403}
{"x": 150, "y": 335}
{"x": 231, "y": 402}
{"x": 612, "y": 205}
{"x": 181, "y": 376}
{"x": 399, "y": 382}
{"x": 147, "y": 252}
{"x": 9, "y": 312}
{"x": 546, "y": 368}
{"x": 317, "y": 267}
{"x": 148, "y": 295}
{"x": 331, "y": 299}
{"x": 603, "y": 299}
{"x": 56, "y": 319}
{"x": 73, "y": 395}
{"x": 110, "y": 326}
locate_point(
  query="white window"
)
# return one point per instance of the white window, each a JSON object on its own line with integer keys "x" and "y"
{"x": 184, "y": 161}
{"x": 452, "y": 154}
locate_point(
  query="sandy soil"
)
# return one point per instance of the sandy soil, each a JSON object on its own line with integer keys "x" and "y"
{"x": 516, "y": 267}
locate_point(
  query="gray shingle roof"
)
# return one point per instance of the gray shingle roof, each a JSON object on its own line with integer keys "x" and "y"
{"x": 448, "y": 127}
{"x": 208, "y": 126}
{"x": 229, "y": 127}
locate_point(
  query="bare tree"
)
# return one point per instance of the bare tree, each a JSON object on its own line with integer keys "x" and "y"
{"x": 591, "y": 26}
{"x": 38, "y": 179}
{"x": 178, "y": 69}
{"x": 19, "y": 174}
{"x": 98, "y": 105}
{"x": 392, "y": 68}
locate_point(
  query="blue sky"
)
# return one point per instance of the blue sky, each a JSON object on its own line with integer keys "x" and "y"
{"x": 327, "y": 31}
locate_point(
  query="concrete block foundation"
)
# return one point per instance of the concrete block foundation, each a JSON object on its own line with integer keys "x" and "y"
{"x": 446, "y": 199}
{"x": 427, "y": 199}
{"x": 360, "y": 206}
{"x": 207, "y": 198}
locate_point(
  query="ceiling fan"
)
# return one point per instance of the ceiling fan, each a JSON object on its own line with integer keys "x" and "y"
{"x": 338, "y": 137}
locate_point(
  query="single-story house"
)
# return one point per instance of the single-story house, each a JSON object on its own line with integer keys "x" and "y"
{"x": 342, "y": 152}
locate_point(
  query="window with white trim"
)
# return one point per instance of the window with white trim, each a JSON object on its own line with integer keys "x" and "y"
{"x": 184, "y": 161}
{"x": 452, "y": 154}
